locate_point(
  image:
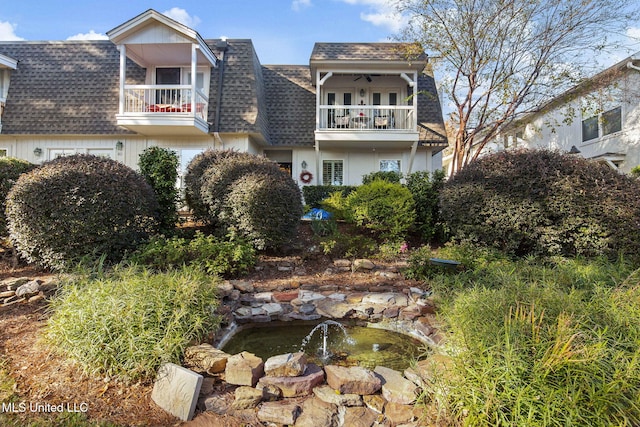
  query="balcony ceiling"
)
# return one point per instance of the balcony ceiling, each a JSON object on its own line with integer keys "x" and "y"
{"x": 164, "y": 54}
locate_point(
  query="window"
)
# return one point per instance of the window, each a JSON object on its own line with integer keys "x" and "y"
{"x": 101, "y": 152}
{"x": 390, "y": 166}
{"x": 332, "y": 172}
{"x": 61, "y": 152}
{"x": 590, "y": 128}
{"x": 612, "y": 121}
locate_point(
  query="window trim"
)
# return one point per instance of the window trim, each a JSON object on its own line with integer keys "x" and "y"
{"x": 331, "y": 179}
{"x": 602, "y": 129}
{"x": 399, "y": 162}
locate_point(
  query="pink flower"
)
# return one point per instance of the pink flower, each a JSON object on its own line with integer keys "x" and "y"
{"x": 404, "y": 247}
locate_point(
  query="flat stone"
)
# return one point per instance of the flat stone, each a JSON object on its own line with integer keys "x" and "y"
{"x": 427, "y": 371}
{"x": 309, "y": 296}
{"x": 285, "y": 296}
{"x": 242, "y": 285}
{"x": 342, "y": 263}
{"x": 301, "y": 316}
{"x": 375, "y": 402}
{"x": 205, "y": 358}
{"x": 333, "y": 309}
{"x": 271, "y": 393}
{"x": 281, "y": 413}
{"x": 386, "y": 298}
{"x": 317, "y": 413}
{"x": 307, "y": 308}
{"x": 263, "y": 296}
{"x": 176, "y": 390}
{"x": 352, "y": 380}
{"x": 247, "y": 397}
{"x": 411, "y": 312}
{"x": 29, "y": 288}
{"x": 363, "y": 264}
{"x": 218, "y": 404}
{"x": 207, "y": 386}
{"x": 225, "y": 288}
{"x": 401, "y": 414}
{"x": 296, "y": 386}
{"x": 395, "y": 387}
{"x": 329, "y": 395}
{"x": 264, "y": 318}
{"x": 244, "y": 369}
{"x": 337, "y": 296}
{"x": 359, "y": 417}
{"x": 272, "y": 309}
{"x": 286, "y": 365}
{"x": 391, "y": 312}
{"x": 355, "y": 297}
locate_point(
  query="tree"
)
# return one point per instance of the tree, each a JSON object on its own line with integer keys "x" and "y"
{"x": 504, "y": 57}
{"x": 159, "y": 167}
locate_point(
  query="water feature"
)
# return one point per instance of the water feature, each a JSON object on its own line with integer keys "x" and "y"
{"x": 344, "y": 344}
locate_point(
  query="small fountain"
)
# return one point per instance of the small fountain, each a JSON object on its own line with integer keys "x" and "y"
{"x": 324, "y": 327}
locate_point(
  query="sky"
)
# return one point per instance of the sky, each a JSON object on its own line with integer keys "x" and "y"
{"x": 283, "y": 31}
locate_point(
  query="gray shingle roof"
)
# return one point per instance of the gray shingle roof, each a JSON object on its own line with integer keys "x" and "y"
{"x": 68, "y": 87}
{"x": 366, "y": 52}
{"x": 430, "y": 124}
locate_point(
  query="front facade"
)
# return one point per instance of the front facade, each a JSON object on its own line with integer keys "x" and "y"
{"x": 349, "y": 113}
{"x": 598, "y": 119}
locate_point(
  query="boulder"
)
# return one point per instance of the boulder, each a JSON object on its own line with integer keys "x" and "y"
{"x": 375, "y": 402}
{"x": 401, "y": 414}
{"x": 329, "y": 395}
{"x": 273, "y": 309}
{"x": 342, "y": 263}
{"x": 29, "y": 288}
{"x": 395, "y": 387}
{"x": 270, "y": 392}
{"x": 242, "y": 285}
{"x": 359, "y": 417}
{"x": 309, "y": 296}
{"x": 247, "y": 397}
{"x": 317, "y": 413}
{"x": 333, "y": 309}
{"x": 352, "y": 380}
{"x": 205, "y": 358}
{"x": 286, "y": 365}
{"x": 363, "y": 264}
{"x": 282, "y": 413}
{"x": 295, "y": 386}
{"x": 244, "y": 369}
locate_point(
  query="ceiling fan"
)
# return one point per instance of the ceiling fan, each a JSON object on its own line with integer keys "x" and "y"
{"x": 367, "y": 76}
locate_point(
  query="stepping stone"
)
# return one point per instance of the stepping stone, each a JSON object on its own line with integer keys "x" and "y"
{"x": 176, "y": 390}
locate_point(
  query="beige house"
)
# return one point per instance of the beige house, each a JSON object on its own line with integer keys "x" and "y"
{"x": 156, "y": 82}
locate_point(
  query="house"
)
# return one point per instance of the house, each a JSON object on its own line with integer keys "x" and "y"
{"x": 598, "y": 119}
{"x": 156, "y": 82}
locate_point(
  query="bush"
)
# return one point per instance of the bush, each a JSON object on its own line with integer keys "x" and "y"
{"x": 347, "y": 245}
{"x": 382, "y": 207}
{"x": 79, "y": 207}
{"x": 159, "y": 166}
{"x": 10, "y": 170}
{"x": 425, "y": 189}
{"x": 207, "y": 253}
{"x": 544, "y": 203}
{"x": 129, "y": 323}
{"x": 388, "y": 176}
{"x": 315, "y": 194}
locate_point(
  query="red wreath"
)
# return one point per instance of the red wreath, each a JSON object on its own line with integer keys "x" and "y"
{"x": 306, "y": 177}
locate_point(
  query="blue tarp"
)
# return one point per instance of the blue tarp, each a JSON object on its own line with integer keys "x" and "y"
{"x": 319, "y": 214}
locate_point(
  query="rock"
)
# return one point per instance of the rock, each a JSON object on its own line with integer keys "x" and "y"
{"x": 242, "y": 285}
{"x": 359, "y": 417}
{"x": 247, "y": 398}
{"x": 286, "y": 365}
{"x": 429, "y": 370}
{"x": 363, "y": 264}
{"x": 281, "y": 413}
{"x": 333, "y": 309}
{"x": 263, "y": 296}
{"x": 13, "y": 283}
{"x": 355, "y": 297}
{"x": 391, "y": 312}
{"x": 29, "y": 288}
{"x": 244, "y": 369}
{"x": 329, "y": 395}
{"x": 207, "y": 386}
{"x": 300, "y": 316}
{"x": 205, "y": 358}
{"x": 36, "y": 297}
{"x": 401, "y": 414}
{"x": 225, "y": 288}
{"x": 7, "y": 294}
{"x": 352, "y": 380}
{"x": 285, "y": 296}
{"x": 316, "y": 413}
{"x": 216, "y": 403}
{"x": 386, "y": 298}
{"x": 300, "y": 271}
{"x": 271, "y": 393}
{"x": 295, "y": 386}
{"x": 309, "y": 296}
{"x": 272, "y": 309}
{"x": 176, "y": 390}
{"x": 307, "y": 308}
{"x": 410, "y": 312}
{"x": 375, "y": 402}
{"x": 342, "y": 263}
{"x": 337, "y": 296}
{"x": 396, "y": 388}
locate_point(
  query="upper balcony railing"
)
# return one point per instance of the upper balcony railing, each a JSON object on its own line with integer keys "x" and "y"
{"x": 174, "y": 99}
{"x": 367, "y": 118}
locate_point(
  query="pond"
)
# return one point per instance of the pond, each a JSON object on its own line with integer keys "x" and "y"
{"x": 361, "y": 346}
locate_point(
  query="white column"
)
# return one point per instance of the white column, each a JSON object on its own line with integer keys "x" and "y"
{"x": 123, "y": 76}
{"x": 194, "y": 69}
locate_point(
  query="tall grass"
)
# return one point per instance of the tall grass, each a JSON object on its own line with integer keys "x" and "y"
{"x": 540, "y": 343}
{"x": 130, "y": 321}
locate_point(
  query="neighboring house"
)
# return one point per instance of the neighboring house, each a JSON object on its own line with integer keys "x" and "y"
{"x": 597, "y": 119}
{"x": 347, "y": 114}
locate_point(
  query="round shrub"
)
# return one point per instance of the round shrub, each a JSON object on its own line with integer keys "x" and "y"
{"x": 385, "y": 208}
{"x": 79, "y": 207}
{"x": 10, "y": 170}
{"x": 159, "y": 166}
{"x": 264, "y": 209}
{"x": 544, "y": 202}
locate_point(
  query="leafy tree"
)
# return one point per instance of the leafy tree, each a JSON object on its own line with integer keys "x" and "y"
{"x": 504, "y": 57}
{"x": 159, "y": 167}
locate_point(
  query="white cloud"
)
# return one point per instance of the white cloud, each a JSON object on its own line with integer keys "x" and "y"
{"x": 381, "y": 13}
{"x": 634, "y": 33}
{"x": 297, "y": 5}
{"x": 91, "y": 35}
{"x": 182, "y": 16}
{"x": 8, "y": 32}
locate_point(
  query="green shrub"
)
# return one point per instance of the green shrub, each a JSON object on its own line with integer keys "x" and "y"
{"x": 542, "y": 202}
{"x": 635, "y": 171}
{"x": 347, "y": 245}
{"x": 128, "y": 323}
{"x": 10, "y": 170}
{"x": 425, "y": 189}
{"x": 159, "y": 166}
{"x": 325, "y": 227}
{"x": 208, "y": 253}
{"x": 388, "y": 176}
{"x": 336, "y": 204}
{"x": 384, "y": 208}
{"x": 315, "y": 194}
{"x": 78, "y": 207}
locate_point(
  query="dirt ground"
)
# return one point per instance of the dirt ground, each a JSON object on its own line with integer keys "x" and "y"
{"x": 43, "y": 377}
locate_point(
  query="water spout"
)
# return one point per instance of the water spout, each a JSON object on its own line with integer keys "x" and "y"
{"x": 324, "y": 327}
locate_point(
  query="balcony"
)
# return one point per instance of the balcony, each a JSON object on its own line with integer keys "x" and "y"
{"x": 164, "y": 109}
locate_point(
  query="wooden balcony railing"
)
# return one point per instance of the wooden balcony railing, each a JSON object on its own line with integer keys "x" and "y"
{"x": 165, "y": 99}
{"x": 367, "y": 118}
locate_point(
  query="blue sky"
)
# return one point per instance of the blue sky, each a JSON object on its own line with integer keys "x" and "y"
{"x": 283, "y": 31}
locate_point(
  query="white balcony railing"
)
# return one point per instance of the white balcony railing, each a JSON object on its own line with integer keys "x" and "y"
{"x": 367, "y": 118}
{"x": 165, "y": 99}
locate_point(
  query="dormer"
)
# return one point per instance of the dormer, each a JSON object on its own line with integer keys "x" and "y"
{"x": 171, "y": 101}
{"x": 6, "y": 65}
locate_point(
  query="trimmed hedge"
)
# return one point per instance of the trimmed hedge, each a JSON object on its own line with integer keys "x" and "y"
{"x": 159, "y": 166}
{"x": 315, "y": 194}
{"x": 10, "y": 170}
{"x": 388, "y": 176}
{"x": 79, "y": 207}
{"x": 425, "y": 189}
{"x": 544, "y": 202}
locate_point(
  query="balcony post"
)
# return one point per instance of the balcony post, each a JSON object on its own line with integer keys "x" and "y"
{"x": 123, "y": 76}
{"x": 194, "y": 69}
